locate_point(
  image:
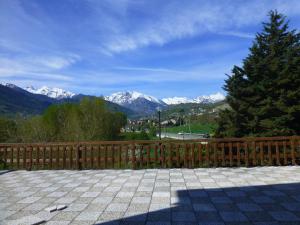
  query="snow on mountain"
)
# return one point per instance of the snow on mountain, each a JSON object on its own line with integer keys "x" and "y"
{"x": 50, "y": 92}
{"x": 200, "y": 99}
{"x": 127, "y": 97}
{"x": 176, "y": 100}
{"x": 210, "y": 98}
{"x": 9, "y": 85}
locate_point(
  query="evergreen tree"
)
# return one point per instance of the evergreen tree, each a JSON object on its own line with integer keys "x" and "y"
{"x": 264, "y": 94}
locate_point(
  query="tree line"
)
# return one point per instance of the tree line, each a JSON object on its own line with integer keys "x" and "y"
{"x": 89, "y": 120}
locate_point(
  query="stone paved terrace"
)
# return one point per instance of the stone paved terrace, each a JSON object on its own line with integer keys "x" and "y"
{"x": 260, "y": 195}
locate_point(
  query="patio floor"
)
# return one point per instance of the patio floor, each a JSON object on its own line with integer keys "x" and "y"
{"x": 260, "y": 195}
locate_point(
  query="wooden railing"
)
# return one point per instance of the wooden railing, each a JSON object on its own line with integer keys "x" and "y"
{"x": 153, "y": 154}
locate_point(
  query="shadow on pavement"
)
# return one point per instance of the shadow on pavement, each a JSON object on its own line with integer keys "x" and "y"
{"x": 268, "y": 205}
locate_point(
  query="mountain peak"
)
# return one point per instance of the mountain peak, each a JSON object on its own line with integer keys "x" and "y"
{"x": 200, "y": 99}
{"x": 127, "y": 97}
{"x": 57, "y": 93}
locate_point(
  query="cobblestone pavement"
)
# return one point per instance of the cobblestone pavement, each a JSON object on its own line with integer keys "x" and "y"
{"x": 260, "y": 195}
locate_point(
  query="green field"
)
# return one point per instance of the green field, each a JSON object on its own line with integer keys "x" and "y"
{"x": 208, "y": 128}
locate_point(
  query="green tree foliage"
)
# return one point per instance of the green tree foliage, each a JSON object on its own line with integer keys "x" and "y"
{"x": 136, "y": 136}
{"x": 87, "y": 121}
{"x": 264, "y": 93}
{"x": 8, "y": 130}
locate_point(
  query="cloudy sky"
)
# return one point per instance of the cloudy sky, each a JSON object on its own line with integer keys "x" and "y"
{"x": 163, "y": 48}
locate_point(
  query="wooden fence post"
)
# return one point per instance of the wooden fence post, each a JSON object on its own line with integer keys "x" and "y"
{"x": 293, "y": 151}
{"x": 246, "y": 154}
{"x": 133, "y": 157}
{"x": 253, "y": 153}
{"x": 261, "y": 153}
{"x": 230, "y": 154}
{"x": 200, "y": 159}
{"x": 277, "y": 154}
{"x": 270, "y": 153}
{"x": 238, "y": 149}
{"x": 78, "y": 157}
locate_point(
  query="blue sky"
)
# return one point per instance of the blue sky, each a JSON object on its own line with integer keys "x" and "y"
{"x": 162, "y": 48}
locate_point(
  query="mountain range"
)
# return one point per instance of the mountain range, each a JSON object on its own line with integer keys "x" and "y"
{"x": 130, "y": 102}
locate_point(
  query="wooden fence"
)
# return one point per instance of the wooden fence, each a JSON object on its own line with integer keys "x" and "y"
{"x": 153, "y": 154}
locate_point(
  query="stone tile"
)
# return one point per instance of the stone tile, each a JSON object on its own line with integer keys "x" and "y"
{"x": 204, "y": 207}
{"x": 161, "y": 194}
{"x": 138, "y": 207}
{"x": 90, "y": 194}
{"x": 65, "y": 200}
{"x": 259, "y": 216}
{"x": 29, "y": 200}
{"x": 27, "y": 220}
{"x": 117, "y": 207}
{"x": 292, "y": 206}
{"x": 162, "y": 215}
{"x": 58, "y": 222}
{"x": 6, "y": 213}
{"x": 249, "y": 207}
{"x": 205, "y": 217}
{"x": 57, "y": 194}
{"x": 233, "y": 216}
{"x": 65, "y": 216}
{"x": 262, "y": 199}
{"x": 284, "y": 216}
{"x": 88, "y": 216}
{"x": 109, "y": 216}
{"x": 141, "y": 200}
{"x": 183, "y": 217}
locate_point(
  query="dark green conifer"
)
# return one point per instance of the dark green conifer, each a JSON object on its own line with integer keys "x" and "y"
{"x": 264, "y": 94}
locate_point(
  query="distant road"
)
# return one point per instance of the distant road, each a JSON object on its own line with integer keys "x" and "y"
{"x": 183, "y": 136}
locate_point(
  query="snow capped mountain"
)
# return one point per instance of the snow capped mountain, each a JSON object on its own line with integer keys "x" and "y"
{"x": 128, "y": 97}
{"x": 9, "y": 85}
{"x": 200, "y": 99}
{"x": 50, "y": 92}
{"x": 176, "y": 100}
{"x": 210, "y": 98}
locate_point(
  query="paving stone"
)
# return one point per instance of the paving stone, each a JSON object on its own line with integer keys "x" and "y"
{"x": 292, "y": 206}
{"x": 35, "y": 206}
{"x": 65, "y": 200}
{"x": 117, "y": 207}
{"x": 88, "y": 216}
{"x": 204, "y": 217}
{"x": 259, "y": 216}
{"x": 204, "y": 207}
{"x": 6, "y": 213}
{"x": 29, "y": 200}
{"x": 183, "y": 216}
{"x": 65, "y": 216}
{"x": 141, "y": 200}
{"x": 262, "y": 199}
{"x": 108, "y": 216}
{"x": 249, "y": 207}
{"x": 90, "y": 194}
{"x": 284, "y": 216}
{"x": 233, "y": 216}
{"x": 162, "y": 215}
{"x": 58, "y": 222}
{"x": 27, "y": 220}
{"x": 161, "y": 194}
{"x": 57, "y": 194}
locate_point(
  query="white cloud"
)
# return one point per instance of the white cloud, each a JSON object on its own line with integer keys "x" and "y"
{"x": 43, "y": 67}
{"x": 55, "y": 62}
{"x": 181, "y": 19}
